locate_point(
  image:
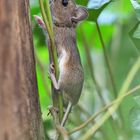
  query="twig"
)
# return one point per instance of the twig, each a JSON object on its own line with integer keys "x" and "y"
{"x": 57, "y": 97}
{"x": 63, "y": 132}
{"x": 48, "y": 26}
{"x": 107, "y": 60}
{"x": 102, "y": 110}
{"x": 98, "y": 89}
{"x": 49, "y": 14}
{"x": 91, "y": 69}
{"x": 109, "y": 67}
{"x": 87, "y": 114}
{"x": 112, "y": 109}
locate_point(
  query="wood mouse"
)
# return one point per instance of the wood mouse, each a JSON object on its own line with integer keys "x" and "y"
{"x": 66, "y": 15}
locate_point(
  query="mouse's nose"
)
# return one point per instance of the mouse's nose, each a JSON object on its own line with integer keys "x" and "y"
{"x": 65, "y": 2}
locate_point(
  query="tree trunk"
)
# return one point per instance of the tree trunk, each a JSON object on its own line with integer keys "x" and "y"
{"x": 20, "y": 117}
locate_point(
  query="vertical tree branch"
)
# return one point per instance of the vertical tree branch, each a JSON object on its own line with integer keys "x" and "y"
{"x": 57, "y": 97}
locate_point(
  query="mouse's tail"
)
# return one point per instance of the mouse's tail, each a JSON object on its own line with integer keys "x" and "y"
{"x": 65, "y": 117}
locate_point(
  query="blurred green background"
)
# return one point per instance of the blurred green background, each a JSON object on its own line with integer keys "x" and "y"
{"x": 118, "y": 22}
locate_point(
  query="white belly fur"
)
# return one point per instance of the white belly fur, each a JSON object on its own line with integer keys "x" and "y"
{"x": 62, "y": 60}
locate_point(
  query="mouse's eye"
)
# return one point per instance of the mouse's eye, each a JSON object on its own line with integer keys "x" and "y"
{"x": 65, "y": 2}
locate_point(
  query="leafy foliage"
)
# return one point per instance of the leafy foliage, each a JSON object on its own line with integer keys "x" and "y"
{"x": 120, "y": 29}
{"x": 135, "y": 32}
{"x": 96, "y": 7}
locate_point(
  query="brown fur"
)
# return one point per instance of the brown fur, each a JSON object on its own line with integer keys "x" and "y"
{"x": 71, "y": 72}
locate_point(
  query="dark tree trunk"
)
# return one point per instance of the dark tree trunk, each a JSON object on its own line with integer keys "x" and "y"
{"x": 20, "y": 117}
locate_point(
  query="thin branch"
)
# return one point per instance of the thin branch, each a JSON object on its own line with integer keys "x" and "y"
{"x": 98, "y": 89}
{"x": 49, "y": 14}
{"x": 90, "y": 65}
{"x": 48, "y": 27}
{"x": 63, "y": 132}
{"x": 108, "y": 66}
{"x": 57, "y": 97}
{"x": 112, "y": 109}
{"x": 107, "y": 60}
{"x": 94, "y": 116}
{"x": 87, "y": 114}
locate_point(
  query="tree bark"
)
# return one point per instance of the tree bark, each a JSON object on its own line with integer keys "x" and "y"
{"x": 20, "y": 117}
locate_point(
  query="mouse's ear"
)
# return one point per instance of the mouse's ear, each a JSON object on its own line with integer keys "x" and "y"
{"x": 81, "y": 14}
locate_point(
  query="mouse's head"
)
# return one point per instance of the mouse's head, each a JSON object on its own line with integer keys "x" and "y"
{"x": 63, "y": 11}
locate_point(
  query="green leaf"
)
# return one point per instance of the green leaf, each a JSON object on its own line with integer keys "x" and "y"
{"x": 137, "y": 100}
{"x": 135, "y": 35}
{"x": 136, "y": 5}
{"x": 96, "y": 4}
{"x": 96, "y": 7}
{"x": 137, "y": 32}
{"x": 135, "y": 120}
{"x": 82, "y": 2}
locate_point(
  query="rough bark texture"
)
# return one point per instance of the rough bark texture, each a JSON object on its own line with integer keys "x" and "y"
{"x": 20, "y": 117}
